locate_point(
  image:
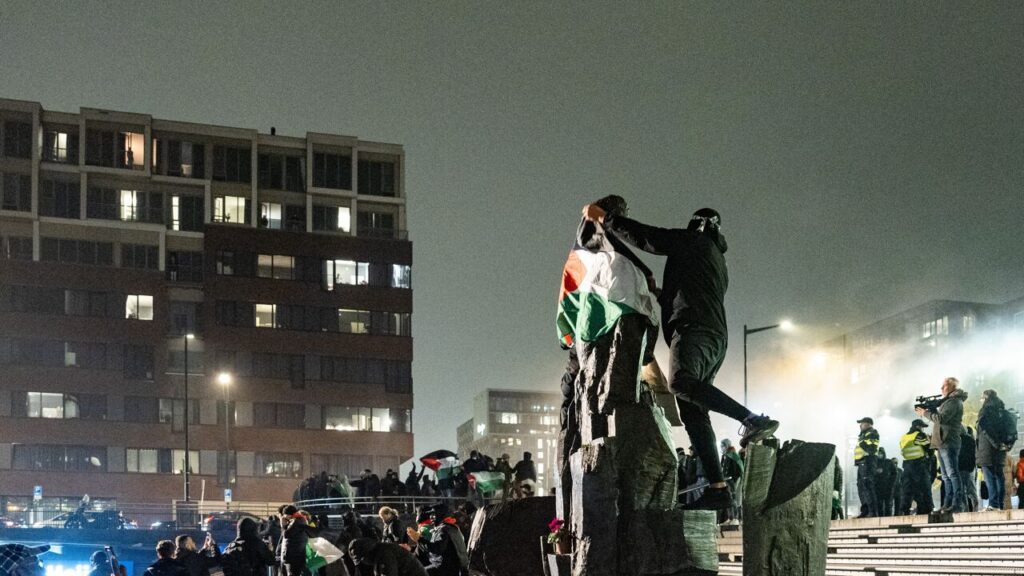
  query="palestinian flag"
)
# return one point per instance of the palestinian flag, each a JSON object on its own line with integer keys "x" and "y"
{"x": 599, "y": 285}
{"x": 486, "y": 481}
{"x": 444, "y": 463}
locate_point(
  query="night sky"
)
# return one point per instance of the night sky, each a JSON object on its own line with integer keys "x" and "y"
{"x": 865, "y": 157}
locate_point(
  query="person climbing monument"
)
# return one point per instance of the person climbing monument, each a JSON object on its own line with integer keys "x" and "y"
{"x": 693, "y": 321}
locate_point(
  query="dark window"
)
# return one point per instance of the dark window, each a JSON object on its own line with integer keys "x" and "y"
{"x": 332, "y": 171}
{"x": 230, "y": 313}
{"x": 17, "y": 248}
{"x": 99, "y": 147}
{"x": 31, "y": 299}
{"x": 76, "y": 251}
{"x": 275, "y": 415}
{"x": 140, "y": 409}
{"x": 185, "y": 266}
{"x": 295, "y": 218}
{"x": 140, "y": 256}
{"x": 102, "y": 203}
{"x": 93, "y": 303}
{"x": 232, "y": 164}
{"x": 279, "y": 172}
{"x": 280, "y": 366}
{"x": 187, "y": 213}
{"x": 236, "y": 263}
{"x": 17, "y": 192}
{"x": 59, "y": 199}
{"x": 138, "y": 362}
{"x": 176, "y": 361}
{"x": 376, "y": 178}
{"x": 17, "y": 139}
{"x": 376, "y": 224}
{"x": 185, "y": 317}
{"x": 61, "y": 458}
{"x": 60, "y": 146}
{"x": 179, "y": 158}
{"x": 331, "y": 218}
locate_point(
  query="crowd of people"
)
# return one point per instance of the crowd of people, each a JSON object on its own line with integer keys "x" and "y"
{"x": 518, "y": 481}
{"x": 953, "y": 453}
{"x": 297, "y": 543}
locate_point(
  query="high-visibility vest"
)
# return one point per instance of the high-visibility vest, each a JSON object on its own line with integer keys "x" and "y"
{"x": 867, "y": 445}
{"x": 912, "y": 447}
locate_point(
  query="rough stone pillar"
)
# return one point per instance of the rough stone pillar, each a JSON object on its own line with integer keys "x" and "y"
{"x": 622, "y": 505}
{"x": 787, "y": 508}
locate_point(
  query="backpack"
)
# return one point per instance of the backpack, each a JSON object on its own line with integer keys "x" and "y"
{"x": 1005, "y": 429}
{"x": 235, "y": 561}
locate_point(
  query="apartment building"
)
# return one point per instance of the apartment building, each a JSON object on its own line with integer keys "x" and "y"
{"x": 271, "y": 273}
{"x": 512, "y": 422}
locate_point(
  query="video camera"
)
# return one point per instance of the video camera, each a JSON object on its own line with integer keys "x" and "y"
{"x": 928, "y": 402}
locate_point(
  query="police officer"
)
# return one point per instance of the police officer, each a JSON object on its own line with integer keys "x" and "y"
{"x": 865, "y": 457}
{"x": 917, "y": 473}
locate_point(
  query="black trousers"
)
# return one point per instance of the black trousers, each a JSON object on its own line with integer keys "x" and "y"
{"x": 867, "y": 487}
{"x": 696, "y": 356}
{"x": 916, "y": 486}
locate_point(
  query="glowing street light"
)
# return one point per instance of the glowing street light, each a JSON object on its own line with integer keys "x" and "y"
{"x": 784, "y": 325}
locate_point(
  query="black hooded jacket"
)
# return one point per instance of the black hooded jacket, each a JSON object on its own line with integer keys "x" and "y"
{"x": 386, "y": 559}
{"x": 249, "y": 544}
{"x": 696, "y": 277}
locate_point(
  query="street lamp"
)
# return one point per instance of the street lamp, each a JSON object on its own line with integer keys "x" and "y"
{"x": 784, "y": 325}
{"x": 224, "y": 379}
{"x": 185, "y": 468}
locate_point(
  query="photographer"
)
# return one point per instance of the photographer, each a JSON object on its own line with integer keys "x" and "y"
{"x": 947, "y": 418}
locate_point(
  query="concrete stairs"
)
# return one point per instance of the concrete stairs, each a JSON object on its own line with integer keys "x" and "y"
{"x": 972, "y": 544}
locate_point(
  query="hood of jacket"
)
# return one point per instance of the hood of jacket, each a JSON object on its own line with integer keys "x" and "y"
{"x": 958, "y": 394}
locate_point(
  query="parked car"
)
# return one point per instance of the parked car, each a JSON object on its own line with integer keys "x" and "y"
{"x": 222, "y": 524}
{"x": 97, "y": 519}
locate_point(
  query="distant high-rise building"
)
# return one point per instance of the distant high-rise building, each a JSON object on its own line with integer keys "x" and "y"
{"x": 287, "y": 260}
{"x": 512, "y": 422}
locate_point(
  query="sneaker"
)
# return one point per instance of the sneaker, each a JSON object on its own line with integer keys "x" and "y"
{"x": 757, "y": 428}
{"x": 711, "y": 499}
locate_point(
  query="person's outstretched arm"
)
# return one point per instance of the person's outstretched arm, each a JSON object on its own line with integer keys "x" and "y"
{"x": 647, "y": 238}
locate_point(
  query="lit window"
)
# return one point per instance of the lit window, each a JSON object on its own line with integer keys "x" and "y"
{"x": 138, "y": 307}
{"x": 175, "y": 213}
{"x": 178, "y": 461}
{"x": 229, "y": 209}
{"x": 270, "y": 215}
{"x": 129, "y": 205}
{"x": 44, "y": 405}
{"x": 401, "y": 276}
{"x": 509, "y": 418}
{"x": 344, "y": 219}
{"x": 275, "y": 266}
{"x": 265, "y": 315}
{"x": 353, "y": 321}
{"x": 59, "y": 147}
{"x": 968, "y": 323}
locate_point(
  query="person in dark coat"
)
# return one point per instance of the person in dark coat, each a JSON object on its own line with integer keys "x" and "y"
{"x": 165, "y": 564}
{"x": 249, "y": 544}
{"x": 384, "y": 558}
{"x": 198, "y": 563}
{"x": 412, "y": 481}
{"x": 991, "y": 455}
{"x": 443, "y": 552}
{"x": 968, "y": 470}
{"x": 693, "y": 322}
{"x": 524, "y": 470}
{"x": 294, "y": 537}
{"x": 99, "y": 564}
